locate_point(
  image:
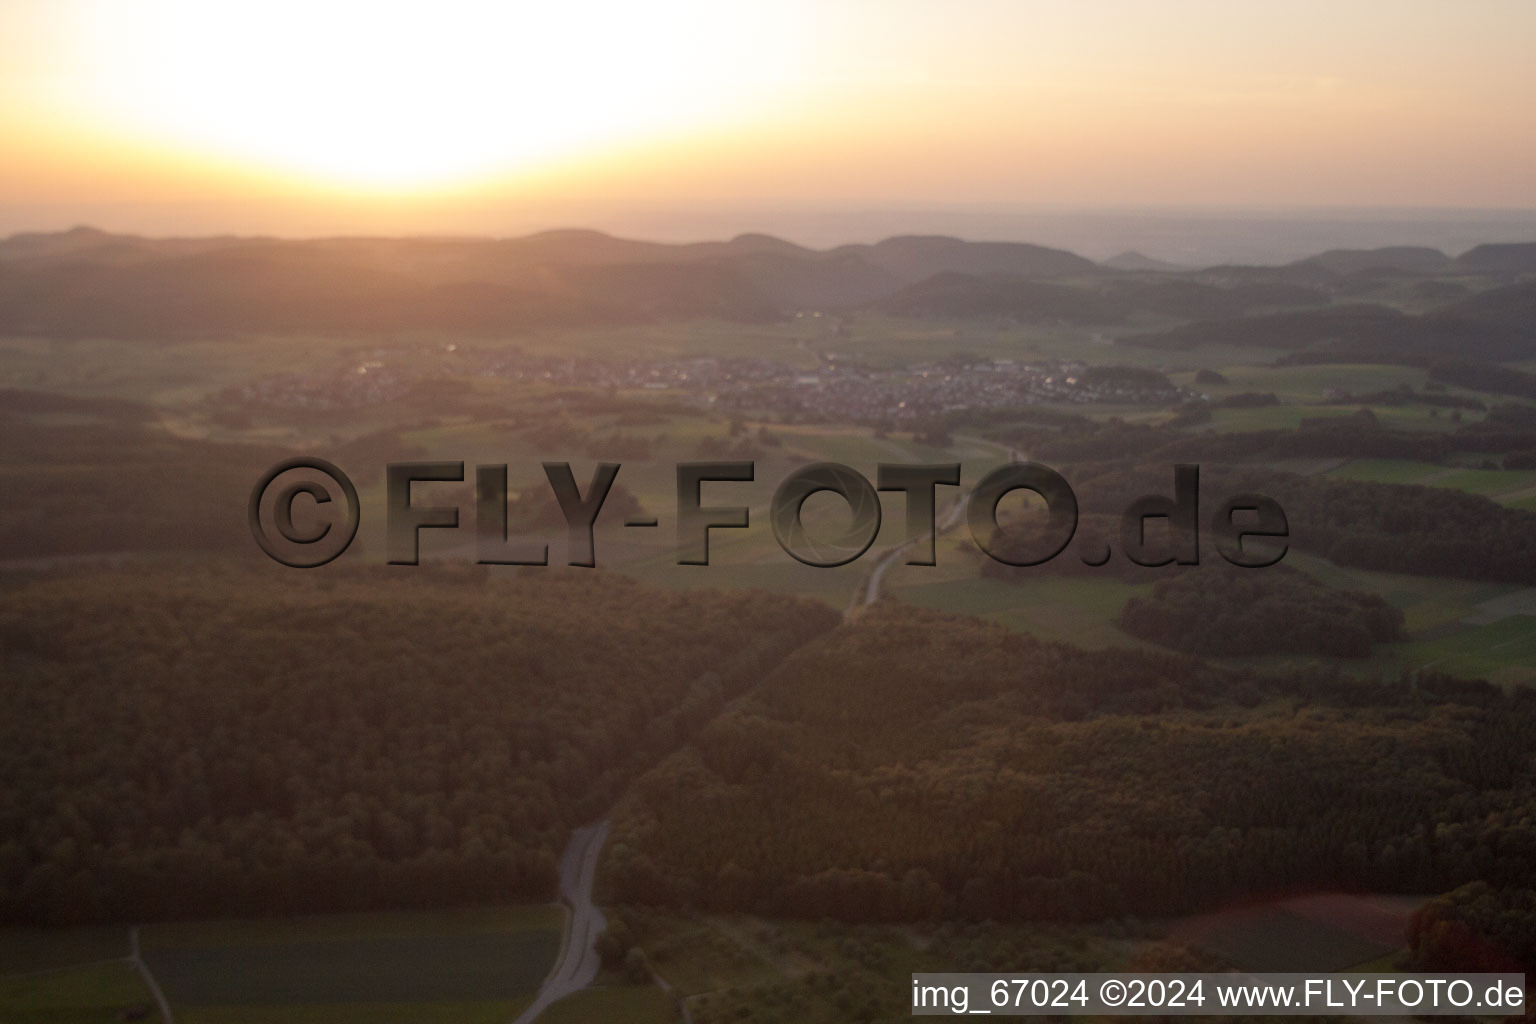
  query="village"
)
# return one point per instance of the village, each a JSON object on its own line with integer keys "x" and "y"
{"x": 838, "y": 390}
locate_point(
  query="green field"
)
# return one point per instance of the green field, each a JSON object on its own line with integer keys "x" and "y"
{"x": 83, "y": 995}
{"x": 1463, "y": 627}
{"x": 24, "y": 950}
{"x": 631, "y": 1004}
{"x": 1388, "y": 471}
{"x": 446, "y": 1012}
{"x": 450, "y": 966}
{"x": 772, "y": 971}
{"x": 1468, "y": 628}
{"x": 1502, "y": 485}
{"x": 1492, "y": 483}
{"x": 1290, "y": 417}
{"x": 1276, "y": 937}
{"x": 1501, "y": 652}
{"x": 1302, "y": 384}
{"x": 1053, "y": 607}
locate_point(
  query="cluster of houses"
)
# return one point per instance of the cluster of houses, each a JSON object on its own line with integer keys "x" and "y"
{"x": 836, "y": 390}
{"x": 921, "y": 393}
{"x": 366, "y": 383}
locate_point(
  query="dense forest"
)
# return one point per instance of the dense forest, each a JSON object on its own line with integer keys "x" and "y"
{"x": 1365, "y": 332}
{"x": 1218, "y": 611}
{"x": 1359, "y": 435}
{"x": 208, "y": 742}
{"x": 1431, "y": 531}
{"x": 1477, "y": 927}
{"x": 1407, "y": 528}
{"x": 92, "y": 476}
{"x": 916, "y": 765}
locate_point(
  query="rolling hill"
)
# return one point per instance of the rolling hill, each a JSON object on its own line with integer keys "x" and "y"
{"x": 86, "y": 282}
{"x": 1509, "y": 259}
{"x": 1413, "y": 259}
{"x": 1363, "y": 332}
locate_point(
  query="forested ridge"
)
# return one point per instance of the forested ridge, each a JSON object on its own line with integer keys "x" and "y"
{"x": 1477, "y": 927}
{"x": 98, "y": 475}
{"x": 916, "y": 765}
{"x": 1216, "y": 610}
{"x": 201, "y": 741}
{"x": 1430, "y": 531}
{"x": 1407, "y": 528}
{"x": 206, "y": 741}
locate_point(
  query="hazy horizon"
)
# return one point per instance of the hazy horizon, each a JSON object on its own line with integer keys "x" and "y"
{"x": 1189, "y": 236}
{"x": 819, "y": 123}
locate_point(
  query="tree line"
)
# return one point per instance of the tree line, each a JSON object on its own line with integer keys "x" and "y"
{"x": 1220, "y": 611}
{"x": 919, "y": 766}
{"x": 186, "y": 742}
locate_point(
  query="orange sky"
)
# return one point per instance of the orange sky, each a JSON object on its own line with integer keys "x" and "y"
{"x": 296, "y": 116}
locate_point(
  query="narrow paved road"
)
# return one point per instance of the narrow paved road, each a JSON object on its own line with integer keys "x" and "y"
{"x": 576, "y": 966}
{"x": 870, "y": 588}
{"x": 149, "y": 979}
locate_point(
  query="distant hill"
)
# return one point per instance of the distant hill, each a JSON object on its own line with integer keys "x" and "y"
{"x": 1367, "y": 332}
{"x": 1133, "y": 260}
{"x": 1185, "y": 298}
{"x": 1438, "y": 291}
{"x": 1106, "y": 300}
{"x": 96, "y": 246}
{"x": 1512, "y": 307}
{"x": 1510, "y": 259}
{"x": 915, "y": 257}
{"x": 1304, "y": 273}
{"x": 263, "y": 289}
{"x": 998, "y": 295}
{"x": 85, "y": 282}
{"x": 1413, "y": 259}
{"x": 788, "y": 280}
{"x": 89, "y": 282}
{"x": 34, "y": 245}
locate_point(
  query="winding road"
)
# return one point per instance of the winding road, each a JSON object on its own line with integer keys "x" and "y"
{"x": 136, "y": 958}
{"x": 576, "y": 966}
{"x": 868, "y": 592}
{"x": 870, "y": 588}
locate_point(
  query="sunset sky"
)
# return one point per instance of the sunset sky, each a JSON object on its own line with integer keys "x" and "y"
{"x": 297, "y": 116}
